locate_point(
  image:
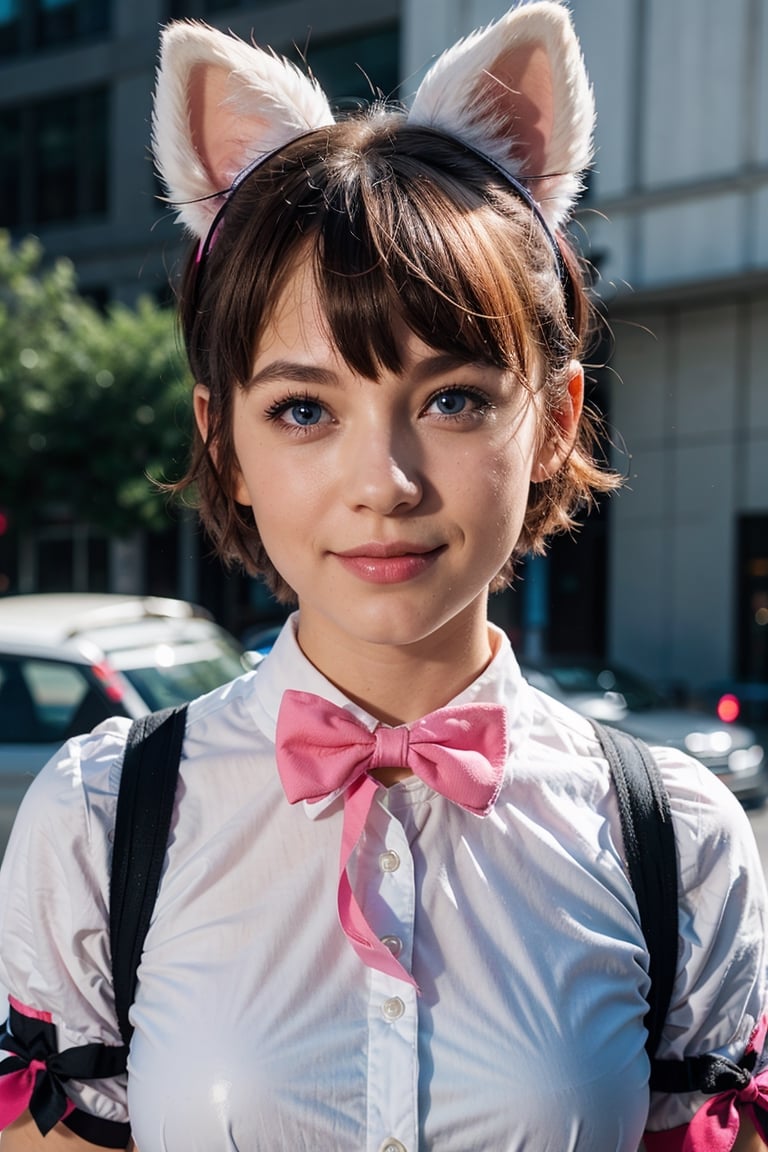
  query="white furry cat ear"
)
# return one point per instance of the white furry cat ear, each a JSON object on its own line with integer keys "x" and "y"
{"x": 220, "y": 104}
{"x": 518, "y": 92}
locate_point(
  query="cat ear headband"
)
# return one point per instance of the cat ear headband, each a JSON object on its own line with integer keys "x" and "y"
{"x": 515, "y": 92}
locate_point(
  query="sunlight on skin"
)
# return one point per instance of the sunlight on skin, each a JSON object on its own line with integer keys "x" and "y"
{"x": 23, "y": 1136}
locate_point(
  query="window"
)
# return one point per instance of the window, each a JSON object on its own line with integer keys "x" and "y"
{"x": 54, "y": 160}
{"x": 10, "y": 171}
{"x": 10, "y": 27}
{"x": 46, "y": 701}
{"x": 182, "y": 8}
{"x": 67, "y": 558}
{"x": 344, "y": 65}
{"x": 35, "y": 25}
{"x": 71, "y": 159}
{"x": 358, "y": 67}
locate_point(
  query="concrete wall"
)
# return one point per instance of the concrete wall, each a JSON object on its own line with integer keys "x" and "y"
{"x": 692, "y": 402}
{"x": 679, "y": 223}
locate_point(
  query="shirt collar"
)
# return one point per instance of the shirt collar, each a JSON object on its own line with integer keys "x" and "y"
{"x": 286, "y": 666}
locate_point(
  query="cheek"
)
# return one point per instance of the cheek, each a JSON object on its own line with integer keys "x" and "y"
{"x": 510, "y": 470}
{"x": 503, "y": 502}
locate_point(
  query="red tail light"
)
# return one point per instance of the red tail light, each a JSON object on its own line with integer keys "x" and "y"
{"x": 728, "y": 708}
{"x": 109, "y": 680}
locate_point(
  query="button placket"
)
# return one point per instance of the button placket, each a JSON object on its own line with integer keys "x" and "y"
{"x": 384, "y": 882}
{"x": 386, "y": 877}
{"x": 393, "y": 1063}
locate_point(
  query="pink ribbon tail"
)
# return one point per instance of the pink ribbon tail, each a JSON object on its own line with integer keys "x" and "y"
{"x": 356, "y": 928}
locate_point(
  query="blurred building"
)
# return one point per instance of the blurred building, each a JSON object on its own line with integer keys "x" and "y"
{"x": 673, "y": 579}
{"x": 676, "y": 223}
{"x": 679, "y": 231}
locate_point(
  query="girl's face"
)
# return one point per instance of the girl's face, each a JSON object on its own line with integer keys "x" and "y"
{"x": 387, "y": 505}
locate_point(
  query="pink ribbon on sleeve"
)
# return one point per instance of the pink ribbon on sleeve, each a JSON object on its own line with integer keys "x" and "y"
{"x": 17, "y": 1088}
{"x": 715, "y": 1126}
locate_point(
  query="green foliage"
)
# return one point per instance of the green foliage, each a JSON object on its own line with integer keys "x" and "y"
{"x": 91, "y": 405}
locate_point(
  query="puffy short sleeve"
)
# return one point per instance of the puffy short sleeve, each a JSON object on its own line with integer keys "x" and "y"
{"x": 54, "y": 940}
{"x": 719, "y": 998}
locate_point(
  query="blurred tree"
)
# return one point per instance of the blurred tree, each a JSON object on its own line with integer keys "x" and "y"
{"x": 91, "y": 404}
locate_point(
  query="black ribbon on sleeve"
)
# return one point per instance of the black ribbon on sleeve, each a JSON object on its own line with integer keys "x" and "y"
{"x": 29, "y": 1040}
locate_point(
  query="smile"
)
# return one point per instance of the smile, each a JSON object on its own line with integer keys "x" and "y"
{"x": 389, "y": 563}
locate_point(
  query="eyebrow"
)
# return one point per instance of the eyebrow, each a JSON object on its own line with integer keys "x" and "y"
{"x": 298, "y": 373}
{"x": 290, "y": 370}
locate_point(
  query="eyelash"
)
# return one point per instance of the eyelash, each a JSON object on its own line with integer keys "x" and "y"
{"x": 277, "y": 410}
{"x": 482, "y": 402}
{"x": 482, "y": 405}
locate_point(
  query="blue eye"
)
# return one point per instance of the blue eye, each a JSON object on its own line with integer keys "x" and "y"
{"x": 298, "y": 412}
{"x": 305, "y": 413}
{"x": 451, "y": 403}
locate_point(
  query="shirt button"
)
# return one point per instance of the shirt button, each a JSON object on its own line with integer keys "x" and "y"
{"x": 393, "y": 1008}
{"x": 394, "y": 943}
{"x": 389, "y": 861}
{"x": 392, "y": 1145}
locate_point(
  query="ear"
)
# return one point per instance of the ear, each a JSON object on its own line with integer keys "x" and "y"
{"x": 201, "y": 404}
{"x": 201, "y": 400}
{"x": 518, "y": 92}
{"x": 220, "y": 104}
{"x": 559, "y": 441}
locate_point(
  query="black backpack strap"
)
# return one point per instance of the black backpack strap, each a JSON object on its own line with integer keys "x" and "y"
{"x": 649, "y": 845}
{"x": 144, "y": 810}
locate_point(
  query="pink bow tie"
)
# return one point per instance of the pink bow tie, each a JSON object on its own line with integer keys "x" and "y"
{"x": 459, "y": 752}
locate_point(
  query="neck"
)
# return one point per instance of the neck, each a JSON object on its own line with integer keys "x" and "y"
{"x": 399, "y": 684}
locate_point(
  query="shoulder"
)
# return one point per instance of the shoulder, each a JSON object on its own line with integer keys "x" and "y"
{"x": 75, "y": 793}
{"x": 54, "y": 886}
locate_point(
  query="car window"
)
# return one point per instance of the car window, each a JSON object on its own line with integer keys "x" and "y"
{"x": 41, "y": 701}
{"x": 178, "y": 674}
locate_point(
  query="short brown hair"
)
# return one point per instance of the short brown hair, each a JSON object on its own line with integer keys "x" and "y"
{"x": 400, "y": 222}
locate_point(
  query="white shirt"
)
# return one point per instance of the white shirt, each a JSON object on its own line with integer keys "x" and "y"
{"x": 257, "y": 1026}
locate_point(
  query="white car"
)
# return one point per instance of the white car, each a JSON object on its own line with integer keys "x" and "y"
{"x": 69, "y": 661}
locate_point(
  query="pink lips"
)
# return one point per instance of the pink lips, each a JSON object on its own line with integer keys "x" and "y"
{"x": 388, "y": 563}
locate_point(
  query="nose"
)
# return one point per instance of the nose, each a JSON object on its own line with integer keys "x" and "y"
{"x": 381, "y": 470}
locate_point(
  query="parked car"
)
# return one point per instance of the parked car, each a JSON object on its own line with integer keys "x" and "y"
{"x": 613, "y": 695}
{"x": 69, "y": 661}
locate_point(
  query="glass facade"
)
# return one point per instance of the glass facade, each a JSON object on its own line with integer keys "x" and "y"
{"x": 357, "y": 68}
{"x": 351, "y": 68}
{"x": 10, "y": 27}
{"x": 42, "y": 24}
{"x": 54, "y": 160}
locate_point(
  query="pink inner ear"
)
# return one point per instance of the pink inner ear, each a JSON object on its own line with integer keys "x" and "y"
{"x": 217, "y": 133}
{"x": 517, "y": 92}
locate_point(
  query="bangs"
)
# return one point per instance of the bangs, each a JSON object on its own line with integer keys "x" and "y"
{"x": 394, "y": 245}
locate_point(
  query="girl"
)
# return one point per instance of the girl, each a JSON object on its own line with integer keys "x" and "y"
{"x": 385, "y": 323}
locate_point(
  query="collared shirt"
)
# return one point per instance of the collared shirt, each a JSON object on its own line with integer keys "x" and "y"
{"x": 256, "y": 1025}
